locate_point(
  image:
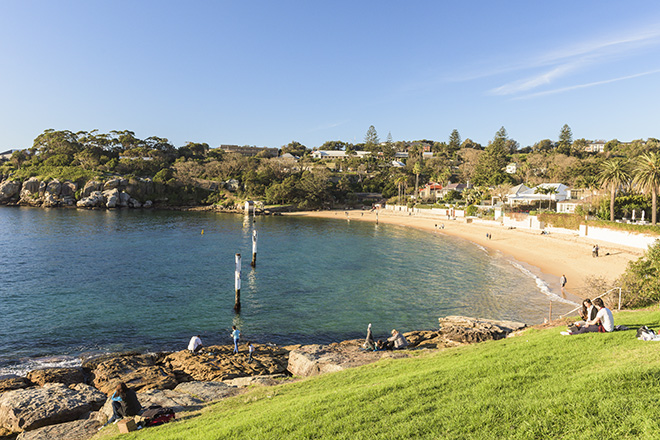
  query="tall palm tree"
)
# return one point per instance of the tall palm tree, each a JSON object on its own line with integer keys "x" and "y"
{"x": 647, "y": 176}
{"x": 613, "y": 174}
{"x": 400, "y": 181}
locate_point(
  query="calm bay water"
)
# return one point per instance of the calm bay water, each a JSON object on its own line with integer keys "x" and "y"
{"x": 79, "y": 282}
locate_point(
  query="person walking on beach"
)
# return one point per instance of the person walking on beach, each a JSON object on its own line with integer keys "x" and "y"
{"x": 562, "y": 282}
{"x": 236, "y": 334}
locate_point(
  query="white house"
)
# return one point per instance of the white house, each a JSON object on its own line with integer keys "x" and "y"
{"x": 521, "y": 194}
{"x": 337, "y": 154}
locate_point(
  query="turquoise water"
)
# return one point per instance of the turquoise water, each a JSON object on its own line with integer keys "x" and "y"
{"x": 77, "y": 282}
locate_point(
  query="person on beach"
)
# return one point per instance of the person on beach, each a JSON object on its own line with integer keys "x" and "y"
{"x": 250, "y": 351}
{"x": 369, "y": 340}
{"x": 562, "y": 282}
{"x": 603, "y": 322}
{"x": 124, "y": 403}
{"x": 195, "y": 344}
{"x": 396, "y": 341}
{"x": 236, "y": 334}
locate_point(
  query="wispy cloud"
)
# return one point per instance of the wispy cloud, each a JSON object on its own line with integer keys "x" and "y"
{"x": 328, "y": 126}
{"x": 584, "y": 86}
{"x": 558, "y": 64}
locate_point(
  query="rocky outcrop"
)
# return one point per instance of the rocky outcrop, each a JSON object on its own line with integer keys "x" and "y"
{"x": 8, "y": 383}
{"x": 76, "y": 430}
{"x": 9, "y": 191}
{"x": 66, "y": 376}
{"x": 138, "y": 372}
{"x": 111, "y": 197}
{"x": 90, "y": 187}
{"x": 207, "y": 391}
{"x": 219, "y": 363}
{"x": 469, "y": 330}
{"x": 32, "y": 408}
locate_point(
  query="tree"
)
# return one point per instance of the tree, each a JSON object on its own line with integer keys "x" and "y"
{"x": 647, "y": 176}
{"x": 294, "y": 148}
{"x": 565, "y": 140}
{"x": 613, "y": 174}
{"x": 454, "y": 141}
{"x": 491, "y": 164}
{"x": 334, "y": 145}
{"x": 371, "y": 139}
{"x": 400, "y": 182}
{"x": 417, "y": 168}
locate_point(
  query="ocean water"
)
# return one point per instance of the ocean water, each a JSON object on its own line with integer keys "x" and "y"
{"x": 81, "y": 282}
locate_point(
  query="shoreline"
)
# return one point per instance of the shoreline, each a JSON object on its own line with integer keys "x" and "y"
{"x": 553, "y": 255}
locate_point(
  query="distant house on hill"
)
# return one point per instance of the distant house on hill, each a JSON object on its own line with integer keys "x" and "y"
{"x": 289, "y": 156}
{"x": 595, "y": 146}
{"x": 337, "y": 154}
{"x": 431, "y": 190}
{"x": 523, "y": 195}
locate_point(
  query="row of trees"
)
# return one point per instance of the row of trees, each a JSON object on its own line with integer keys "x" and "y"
{"x": 281, "y": 181}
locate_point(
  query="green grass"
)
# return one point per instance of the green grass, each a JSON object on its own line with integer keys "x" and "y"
{"x": 538, "y": 385}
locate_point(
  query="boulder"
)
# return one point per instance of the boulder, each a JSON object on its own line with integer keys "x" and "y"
{"x": 148, "y": 204}
{"x": 90, "y": 187}
{"x": 13, "y": 382}
{"x": 9, "y": 191}
{"x": 76, "y": 430}
{"x": 54, "y": 187}
{"x": 133, "y": 203}
{"x": 124, "y": 198}
{"x": 32, "y": 408}
{"x": 68, "y": 189}
{"x": 207, "y": 391}
{"x": 111, "y": 197}
{"x": 312, "y": 360}
{"x": 138, "y": 372}
{"x": 233, "y": 185}
{"x": 469, "y": 330}
{"x": 66, "y": 376}
{"x": 112, "y": 184}
{"x": 30, "y": 192}
{"x": 95, "y": 199}
{"x": 50, "y": 201}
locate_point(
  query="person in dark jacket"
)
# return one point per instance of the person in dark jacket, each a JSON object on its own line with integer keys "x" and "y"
{"x": 124, "y": 403}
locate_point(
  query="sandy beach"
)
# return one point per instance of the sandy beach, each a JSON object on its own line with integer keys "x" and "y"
{"x": 553, "y": 254}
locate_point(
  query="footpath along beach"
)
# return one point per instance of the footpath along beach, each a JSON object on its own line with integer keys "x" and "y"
{"x": 553, "y": 254}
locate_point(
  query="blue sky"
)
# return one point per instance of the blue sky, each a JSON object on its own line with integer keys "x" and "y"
{"x": 268, "y": 72}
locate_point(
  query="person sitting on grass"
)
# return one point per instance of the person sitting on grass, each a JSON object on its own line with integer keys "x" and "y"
{"x": 603, "y": 322}
{"x": 588, "y": 313}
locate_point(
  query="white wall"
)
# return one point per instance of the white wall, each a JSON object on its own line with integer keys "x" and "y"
{"x": 619, "y": 237}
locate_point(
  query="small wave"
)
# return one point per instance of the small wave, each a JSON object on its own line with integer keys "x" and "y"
{"x": 27, "y": 365}
{"x": 542, "y": 285}
{"x": 480, "y": 247}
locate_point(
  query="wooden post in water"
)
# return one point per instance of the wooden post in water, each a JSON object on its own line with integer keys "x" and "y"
{"x": 254, "y": 249}
{"x": 376, "y": 217}
{"x": 237, "y": 278}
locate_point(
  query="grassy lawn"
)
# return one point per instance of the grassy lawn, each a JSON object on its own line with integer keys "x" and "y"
{"x": 538, "y": 385}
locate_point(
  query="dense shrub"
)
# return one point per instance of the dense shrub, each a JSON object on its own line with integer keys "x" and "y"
{"x": 641, "y": 280}
{"x": 566, "y": 221}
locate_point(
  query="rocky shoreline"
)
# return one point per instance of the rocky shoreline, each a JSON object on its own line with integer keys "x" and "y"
{"x": 72, "y": 403}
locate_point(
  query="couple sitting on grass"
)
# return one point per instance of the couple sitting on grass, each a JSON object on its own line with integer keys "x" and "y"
{"x": 596, "y": 318}
{"x": 397, "y": 340}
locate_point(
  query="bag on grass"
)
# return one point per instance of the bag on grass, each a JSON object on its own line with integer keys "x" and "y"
{"x": 157, "y": 415}
{"x": 645, "y": 334}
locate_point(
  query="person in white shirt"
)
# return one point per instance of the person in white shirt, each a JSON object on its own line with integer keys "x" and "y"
{"x": 195, "y": 344}
{"x": 603, "y": 320}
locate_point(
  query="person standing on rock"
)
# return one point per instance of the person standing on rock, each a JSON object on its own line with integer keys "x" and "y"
{"x": 369, "y": 340}
{"x": 236, "y": 334}
{"x": 250, "y": 351}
